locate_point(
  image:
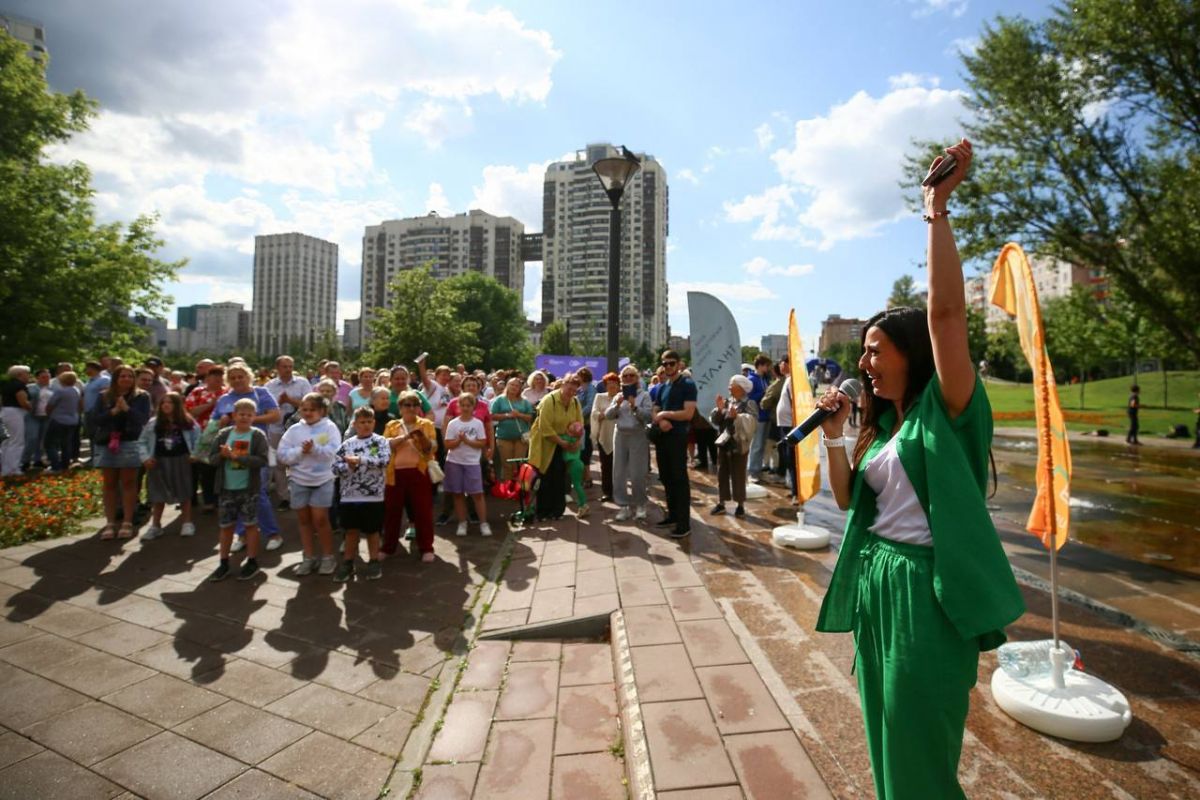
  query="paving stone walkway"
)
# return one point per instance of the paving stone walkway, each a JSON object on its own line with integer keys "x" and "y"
{"x": 123, "y": 673}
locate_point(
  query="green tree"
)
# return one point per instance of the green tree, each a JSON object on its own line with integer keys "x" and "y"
{"x": 497, "y": 310}
{"x": 1003, "y": 353}
{"x": 638, "y": 353}
{"x": 904, "y": 293}
{"x": 67, "y": 283}
{"x": 1087, "y": 134}
{"x": 424, "y": 316}
{"x": 976, "y": 334}
{"x": 1074, "y": 334}
{"x": 554, "y": 339}
{"x": 846, "y": 355}
{"x": 749, "y": 353}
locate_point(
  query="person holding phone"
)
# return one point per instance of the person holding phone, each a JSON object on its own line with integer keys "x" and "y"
{"x": 921, "y": 578}
{"x": 631, "y": 410}
{"x": 603, "y": 429}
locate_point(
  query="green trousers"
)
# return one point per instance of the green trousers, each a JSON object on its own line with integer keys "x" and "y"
{"x": 915, "y": 674}
{"x": 575, "y": 476}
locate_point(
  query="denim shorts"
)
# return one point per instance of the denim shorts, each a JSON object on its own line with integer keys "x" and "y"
{"x": 232, "y": 505}
{"x": 315, "y": 496}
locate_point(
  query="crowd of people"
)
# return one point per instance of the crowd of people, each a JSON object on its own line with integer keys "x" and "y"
{"x": 367, "y": 453}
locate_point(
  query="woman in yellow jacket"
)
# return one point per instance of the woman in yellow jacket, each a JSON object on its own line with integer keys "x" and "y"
{"x": 413, "y": 439}
{"x": 556, "y": 411}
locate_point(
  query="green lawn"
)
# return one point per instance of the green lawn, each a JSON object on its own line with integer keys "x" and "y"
{"x": 1012, "y": 404}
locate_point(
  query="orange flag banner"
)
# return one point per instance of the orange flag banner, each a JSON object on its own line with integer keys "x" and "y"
{"x": 808, "y": 459}
{"x": 1013, "y": 289}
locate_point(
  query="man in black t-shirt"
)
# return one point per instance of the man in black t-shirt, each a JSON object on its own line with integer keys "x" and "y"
{"x": 673, "y": 411}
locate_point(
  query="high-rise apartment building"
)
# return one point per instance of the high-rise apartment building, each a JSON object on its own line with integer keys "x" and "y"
{"x": 1052, "y": 277}
{"x": 295, "y": 292}
{"x": 475, "y": 241}
{"x": 575, "y": 241}
{"x": 29, "y": 31}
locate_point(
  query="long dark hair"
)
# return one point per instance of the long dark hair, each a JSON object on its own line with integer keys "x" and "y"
{"x": 179, "y": 417}
{"x": 908, "y": 330}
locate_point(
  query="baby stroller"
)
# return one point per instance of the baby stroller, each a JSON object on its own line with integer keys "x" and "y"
{"x": 523, "y": 489}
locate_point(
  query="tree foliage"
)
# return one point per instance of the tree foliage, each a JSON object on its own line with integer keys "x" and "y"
{"x": 554, "y": 339}
{"x": 502, "y": 336}
{"x": 423, "y": 317}
{"x": 67, "y": 282}
{"x": 904, "y": 293}
{"x": 1087, "y": 134}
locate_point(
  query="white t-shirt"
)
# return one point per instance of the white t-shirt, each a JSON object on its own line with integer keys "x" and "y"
{"x": 464, "y": 453}
{"x": 901, "y": 517}
{"x": 439, "y": 398}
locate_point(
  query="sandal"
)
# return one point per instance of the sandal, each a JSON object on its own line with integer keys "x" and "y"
{"x": 109, "y": 531}
{"x": 126, "y": 531}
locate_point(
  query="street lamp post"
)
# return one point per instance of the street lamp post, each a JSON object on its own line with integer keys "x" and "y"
{"x": 614, "y": 175}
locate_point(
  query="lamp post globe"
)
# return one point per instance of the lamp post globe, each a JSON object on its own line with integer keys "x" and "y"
{"x": 615, "y": 174}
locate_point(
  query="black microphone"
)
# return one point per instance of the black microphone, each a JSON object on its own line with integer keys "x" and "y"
{"x": 850, "y": 387}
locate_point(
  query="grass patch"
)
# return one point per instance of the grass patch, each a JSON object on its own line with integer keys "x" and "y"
{"x": 1101, "y": 404}
{"x": 48, "y": 506}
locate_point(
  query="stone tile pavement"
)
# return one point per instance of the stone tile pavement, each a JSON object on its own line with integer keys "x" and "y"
{"x": 124, "y": 674}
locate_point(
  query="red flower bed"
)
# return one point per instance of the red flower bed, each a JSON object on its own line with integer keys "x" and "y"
{"x": 46, "y": 506}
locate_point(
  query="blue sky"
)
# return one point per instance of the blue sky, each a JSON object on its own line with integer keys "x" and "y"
{"x": 781, "y": 126}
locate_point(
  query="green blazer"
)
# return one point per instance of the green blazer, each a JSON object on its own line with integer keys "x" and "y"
{"x": 947, "y": 462}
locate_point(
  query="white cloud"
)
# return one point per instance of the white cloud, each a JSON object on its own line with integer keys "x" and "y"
{"x": 347, "y": 309}
{"x": 282, "y": 136}
{"x": 765, "y": 135}
{"x": 689, "y": 176}
{"x": 512, "y": 191}
{"x": 533, "y": 291}
{"x": 436, "y": 201}
{"x": 841, "y": 175}
{"x": 956, "y": 8}
{"x": 908, "y": 80}
{"x": 761, "y": 266}
{"x": 218, "y": 290}
{"x": 966, "y": 45}
{"x": 744, "y": 292}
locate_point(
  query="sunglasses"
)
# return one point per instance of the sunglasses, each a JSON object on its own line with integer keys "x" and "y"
{"x": 409, "y": 404}
{"x": 669, "y": 363}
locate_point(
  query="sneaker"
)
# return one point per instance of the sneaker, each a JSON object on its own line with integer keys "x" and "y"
{"x": 410, "y": 533}
{"x": 427, "y": 558}
{"x": 306, "y": 566}
{"x": 373, "y": 571}
{"x": 220, "y": 573}
{"x": 444, "y": 519}
{"x": 665, "y": 522}
{"x": 719, "y": 508}
{"x": 623, "y": 514}
{"x": 462, "y": 529}
{"x": 583, "y": 511}
{"x": 152, "y": 532}
{"x": 640, "y": 515}
{"x": 239, "y": 544}
{"x": 274, "y": 542}
{"x": 249, "y": 570}
{"x": 345, "y": 572}
{"x": 680, "y": 533}
{"x": 328, "y": 565}
{"x": 188, "y": 529}
{"x": 740, "y": 511}
{"x": 485, "y": 529}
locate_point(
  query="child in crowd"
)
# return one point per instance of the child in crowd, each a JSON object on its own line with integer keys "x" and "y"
{"x": 465, "y": 438}
{"x": 573, "y": 459}
{"x": 309, "y": 448}
{"x": 166, "y": 447}
{"x": 337, "y": 411}
{"x": 362, "y": 467}
{"x": 239, "y": 458}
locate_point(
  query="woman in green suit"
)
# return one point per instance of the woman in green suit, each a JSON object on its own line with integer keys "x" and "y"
{"x": 921, "y": 578}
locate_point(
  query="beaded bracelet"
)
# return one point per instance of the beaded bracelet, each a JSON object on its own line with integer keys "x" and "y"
{"x": 935, "y": 215}
{"x": 838, "y": 442}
